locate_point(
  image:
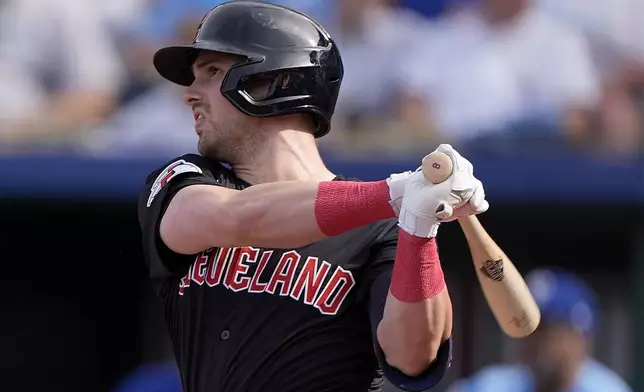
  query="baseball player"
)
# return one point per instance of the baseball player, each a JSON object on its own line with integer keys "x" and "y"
{"x": 276, "y": 274}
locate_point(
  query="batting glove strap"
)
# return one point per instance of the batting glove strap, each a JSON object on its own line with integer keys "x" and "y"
{"x": 397, "y": 184}
{"x": 417, "y": 224}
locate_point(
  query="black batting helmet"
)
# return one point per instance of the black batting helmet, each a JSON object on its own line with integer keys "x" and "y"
{"x": 277, "y": 43}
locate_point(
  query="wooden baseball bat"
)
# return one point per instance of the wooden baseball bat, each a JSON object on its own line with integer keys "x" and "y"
{"x": 504, "y": 288}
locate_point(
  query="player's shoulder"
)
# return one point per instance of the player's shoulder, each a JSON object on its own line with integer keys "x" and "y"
{"x": 186, "y": 170}
{"x": 185, "y": 164}
{"x": 494, "y": 378}
{"x": 596, "y": 375}
{"x": 197, "y": 165}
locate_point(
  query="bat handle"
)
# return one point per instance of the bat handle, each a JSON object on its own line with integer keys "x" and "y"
{"x": 437, "y": 167}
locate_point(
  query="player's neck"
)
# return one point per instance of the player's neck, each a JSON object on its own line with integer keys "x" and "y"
{"x": 287, "y": 156}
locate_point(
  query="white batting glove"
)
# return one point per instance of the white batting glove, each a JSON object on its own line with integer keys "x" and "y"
{"x": 425, "y": 205}
{"x": 398, "y": 181}
{"x": 476, "y": 205}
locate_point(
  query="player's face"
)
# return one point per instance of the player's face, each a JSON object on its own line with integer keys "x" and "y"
{"x": 222, "y": 129}
{"x": 553, "y": 352}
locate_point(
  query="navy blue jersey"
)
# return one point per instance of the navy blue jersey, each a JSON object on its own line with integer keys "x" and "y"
{"x": 253, "y": 319}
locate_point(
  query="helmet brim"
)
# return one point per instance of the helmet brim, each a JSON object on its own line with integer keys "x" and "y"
{"x": 174, "y": 63}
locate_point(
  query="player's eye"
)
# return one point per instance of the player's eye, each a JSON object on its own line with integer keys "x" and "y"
{"x": 212, "y": 71}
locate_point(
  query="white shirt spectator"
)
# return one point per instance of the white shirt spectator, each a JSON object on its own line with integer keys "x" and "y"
{"x": 476, "y": 78}
{"x": 618, "y": 22}
{"x": 551, "y": 61}
{"x": 53, "y": 45}
{"x": 370, "y": 59}
{"x": 122, "y": 16}
{"x": 462, "y": 78}
{"x": 156, "y": 123}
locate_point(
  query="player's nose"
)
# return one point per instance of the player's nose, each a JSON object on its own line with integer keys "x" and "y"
{"x": 191, "y": 96}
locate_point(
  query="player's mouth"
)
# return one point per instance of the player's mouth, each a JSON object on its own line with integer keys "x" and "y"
{"x": 199, "y": 117}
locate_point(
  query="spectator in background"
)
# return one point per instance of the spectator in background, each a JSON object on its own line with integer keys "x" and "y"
{"x": 492, "y": 63}
{"x": 457, "y": 84}
{"x": 122, "y": 16}
{"x": 556, "y": 356}
{"x": 153, "y": 120}
{"x": 162, "y": 22}
{"x": 373, "y": 36}
{"x": 59, "y": 72}
{"x": 615, "y": 30}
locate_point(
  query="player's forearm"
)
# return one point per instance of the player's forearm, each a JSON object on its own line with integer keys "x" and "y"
{"x": 418, "y": 313}
{"x": 410, "y": 334}
{"x": 293, "y": 214}
{"x": 275, "y": 215}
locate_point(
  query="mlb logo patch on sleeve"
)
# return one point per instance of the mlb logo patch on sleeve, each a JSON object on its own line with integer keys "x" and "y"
{"x": 167, "y": 174}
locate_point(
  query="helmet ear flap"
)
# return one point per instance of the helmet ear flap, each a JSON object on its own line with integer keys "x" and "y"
{"x": 263, "y": 86}
{"x": 258, "y": 87}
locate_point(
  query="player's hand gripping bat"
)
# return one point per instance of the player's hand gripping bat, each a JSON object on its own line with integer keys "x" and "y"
{"x": 505, "y": 290}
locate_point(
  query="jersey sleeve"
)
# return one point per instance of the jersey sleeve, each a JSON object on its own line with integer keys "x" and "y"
{"x": 381, "y": 267}
{"x": 159, "y": 189}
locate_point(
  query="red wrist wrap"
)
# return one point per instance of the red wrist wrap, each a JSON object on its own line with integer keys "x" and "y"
{"x": 417, "y": 274}
{"x": 341, "y": 206}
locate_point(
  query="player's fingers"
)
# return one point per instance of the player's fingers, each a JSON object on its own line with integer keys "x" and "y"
{"x": 484, "y": 206}
{"x": 444, "y": 211}
{"x": 477, "y": 201}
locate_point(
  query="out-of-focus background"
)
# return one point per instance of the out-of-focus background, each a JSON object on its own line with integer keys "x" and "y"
{"x": 545, "y": 97}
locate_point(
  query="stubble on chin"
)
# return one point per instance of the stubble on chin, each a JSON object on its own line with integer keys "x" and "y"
{"x": 206, "y": 148}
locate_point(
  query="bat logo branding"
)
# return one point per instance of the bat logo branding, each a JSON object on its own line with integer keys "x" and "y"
{"x": 521, "y": 321}
{"x": 493, "y": 269}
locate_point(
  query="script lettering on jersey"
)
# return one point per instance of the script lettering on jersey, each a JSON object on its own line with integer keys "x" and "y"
{"x": 315, "y": 283}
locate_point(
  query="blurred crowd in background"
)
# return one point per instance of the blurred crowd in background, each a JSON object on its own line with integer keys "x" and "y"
{"x": 77, "y": 75}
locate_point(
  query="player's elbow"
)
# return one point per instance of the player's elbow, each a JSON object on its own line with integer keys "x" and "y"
{"x": 413, "y": 362}
{"x": 410, "y": 357}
